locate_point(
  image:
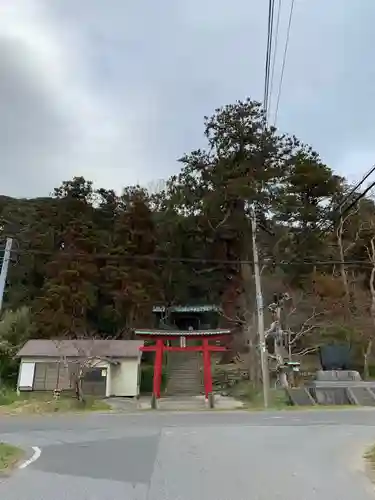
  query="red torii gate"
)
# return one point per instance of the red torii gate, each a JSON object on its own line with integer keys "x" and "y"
{"x": 161, "y": 338}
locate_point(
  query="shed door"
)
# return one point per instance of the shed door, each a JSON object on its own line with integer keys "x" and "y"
{"x": 46, "y": 376}
{"x": 26, "y": 375}
{"x": 51, "y": 376}
{"x": 95, "y": 382}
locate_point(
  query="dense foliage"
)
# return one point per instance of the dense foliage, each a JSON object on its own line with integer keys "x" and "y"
{"x": 91, "y": 262}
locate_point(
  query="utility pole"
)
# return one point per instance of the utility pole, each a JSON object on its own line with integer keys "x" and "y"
{"x": 4, "y": 269}
{"x": 260, "y": 313}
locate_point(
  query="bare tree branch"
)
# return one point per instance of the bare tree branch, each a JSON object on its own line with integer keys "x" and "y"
{"x": 233, "y": 319}
{"x": 340, "y": 233}
{"x": 223, "y": 221}
{"x": 87, "y": 358}
{"x": 306, "y": 328}
{"x": 307, "y": 350}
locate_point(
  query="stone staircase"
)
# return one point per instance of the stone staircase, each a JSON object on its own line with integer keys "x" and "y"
{"x": 185, "y": 377}
{"x": 363, "y": 396}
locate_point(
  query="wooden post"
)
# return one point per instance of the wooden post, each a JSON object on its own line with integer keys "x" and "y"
{"x": 158, "y": 366}
{"x": 207, "y": 368}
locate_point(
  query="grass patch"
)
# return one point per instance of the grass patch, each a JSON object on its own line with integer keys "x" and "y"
{"x": 7, "y": 397}
{"x": 9, "y": 456}
{"x": 277, "y": 401}
{"x": 253, "y": 399}
{"x": 370, "y": 457}
{"x": 32, "y": 403}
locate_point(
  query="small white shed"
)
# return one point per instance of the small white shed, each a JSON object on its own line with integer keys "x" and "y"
{"x": 112, "y": 367}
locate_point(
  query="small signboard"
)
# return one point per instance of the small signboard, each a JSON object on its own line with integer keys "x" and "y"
{"x": 183, "y": 341}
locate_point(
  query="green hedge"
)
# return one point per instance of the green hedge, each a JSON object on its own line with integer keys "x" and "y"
{"x": 147, "y": 377}
{"x": 7, "y": 396}
{"x": 8, "y": 370}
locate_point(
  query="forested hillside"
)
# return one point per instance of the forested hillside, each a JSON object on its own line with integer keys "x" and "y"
{"x": 87, "y": 261}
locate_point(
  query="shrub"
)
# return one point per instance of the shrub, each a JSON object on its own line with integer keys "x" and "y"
{"x": 7, "y": 397}
{"x": 147, "y": 377}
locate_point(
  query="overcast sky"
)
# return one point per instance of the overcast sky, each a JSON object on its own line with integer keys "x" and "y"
{"x": 116, "y": 90}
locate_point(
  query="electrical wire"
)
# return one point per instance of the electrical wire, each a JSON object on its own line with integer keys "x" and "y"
{"x": 347, "y": 197}
{"x": 338, "y": 208}
{"x": 356, "y": 200}
{"x": 275, "y": 50}
{"x": 356, "y": 187}
{"x": 284, "y": 61}
{"x": 347, "y": 209}
{"x": 157, "y": 258}
{"x": 271, "y": 11}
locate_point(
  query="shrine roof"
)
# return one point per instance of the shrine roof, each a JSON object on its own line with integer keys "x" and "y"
{"x": 182, "y": 333}
{"x": 186, "y": 308}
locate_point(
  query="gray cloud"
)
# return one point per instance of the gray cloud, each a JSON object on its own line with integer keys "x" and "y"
{"x": 117, "y": 91}
{"x": 32, "y": 134}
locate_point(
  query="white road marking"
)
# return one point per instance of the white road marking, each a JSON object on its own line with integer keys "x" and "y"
{"x": 36, "y": 455}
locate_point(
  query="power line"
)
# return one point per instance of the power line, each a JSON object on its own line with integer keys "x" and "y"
{"x": 346, "y": 198}
{"x": 271, "y": 11}
{"x": 338, "y": 208}
{"x": 275, "y": 49}
{"x": 359, "y": 197}
{"x": 348, "y": 208}
{"x": 284, "y": 60}
{"x": 356, "y": 187}
{"x": 157, "y": 258}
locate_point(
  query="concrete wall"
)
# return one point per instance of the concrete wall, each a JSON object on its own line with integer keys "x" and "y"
{"x": 124, "y": 378}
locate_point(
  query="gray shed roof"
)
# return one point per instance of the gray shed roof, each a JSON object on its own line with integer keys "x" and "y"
{"x": 78, "y": 348}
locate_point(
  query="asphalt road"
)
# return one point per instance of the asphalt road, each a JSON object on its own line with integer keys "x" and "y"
{"x": 193, "y": 456}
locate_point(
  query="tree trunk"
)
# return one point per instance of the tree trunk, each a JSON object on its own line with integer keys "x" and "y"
{"x": 78, "y": 385}
{"x": 81, "y": 396}
{"x": 349, "y": 299}
{"x": 250, "y": 331}
{"x": 282, "y": 376}
{"x": 290, "y": 347}
{"x": 292, "y": 377}
{"x": 366, "y": 356}
{"x": 76, "y": 388}
{"x": 344, "y": 277}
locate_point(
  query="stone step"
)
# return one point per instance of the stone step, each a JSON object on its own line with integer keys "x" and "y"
{"x": 183, "y": 393}
{"x": 191, "y": 376}
{"x": 185, "y": 372}
{"x": 193, "y": 367}
{"x": 362, "y": 396}
{"x": 185, "y": 377}
{"x": 299, "y": 396}
{"x": 190, "y": 383}
{"x": 181, "y": 383}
